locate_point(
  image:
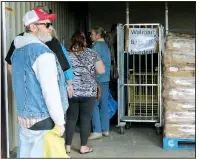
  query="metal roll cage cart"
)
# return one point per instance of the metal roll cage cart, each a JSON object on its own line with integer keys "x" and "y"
{"x": 139, "y": 87}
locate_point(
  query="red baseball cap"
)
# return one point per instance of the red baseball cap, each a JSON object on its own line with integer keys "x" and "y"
{"x": 37, "y": 14}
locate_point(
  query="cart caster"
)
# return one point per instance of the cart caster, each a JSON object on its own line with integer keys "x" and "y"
{"x": 127, "y": 126}
{"x": 158, "y": 130}
{"x": 121, "y": 130}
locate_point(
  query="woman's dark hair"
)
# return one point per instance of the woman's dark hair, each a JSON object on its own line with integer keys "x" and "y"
{"x": 78, "y": 42}
{"x": 106, "y": 36}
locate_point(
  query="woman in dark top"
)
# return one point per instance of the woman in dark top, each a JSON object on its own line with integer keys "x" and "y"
{"x": 54, "y": 45}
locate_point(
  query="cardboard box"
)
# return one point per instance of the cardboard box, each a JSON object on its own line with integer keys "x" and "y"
{"x": 173, "y": 106}
{"x": 178, "y": 57}
{"x": 179, "y": 94}
{"x": 175, "y": 82}
{"x": 179, "y": 131}
{"x": 176, "y": 70}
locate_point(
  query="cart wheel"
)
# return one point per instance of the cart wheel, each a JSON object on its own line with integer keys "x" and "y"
{"x": 158, "y": 130}
{"x": 121, "y": 130}
{"x": 127, "y": 126}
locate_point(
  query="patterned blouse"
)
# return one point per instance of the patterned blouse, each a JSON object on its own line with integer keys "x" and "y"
{"x": 84, "y": 83}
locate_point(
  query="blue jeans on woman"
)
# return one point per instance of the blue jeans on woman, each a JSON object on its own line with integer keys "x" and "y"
{"x": 100, "y": 118}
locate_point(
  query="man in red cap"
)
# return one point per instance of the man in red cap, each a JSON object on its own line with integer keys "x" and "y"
{"x": 54, "y": 45}
{"x": 38, "y": 84}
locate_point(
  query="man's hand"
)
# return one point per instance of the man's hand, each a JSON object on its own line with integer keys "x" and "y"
{"x": 62, "y": 129}
{"x": 70, "y": 91}
{"x": 9, "y": 68}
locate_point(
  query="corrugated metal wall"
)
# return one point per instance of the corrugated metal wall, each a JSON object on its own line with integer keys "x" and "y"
{"x": 64, "y": 24}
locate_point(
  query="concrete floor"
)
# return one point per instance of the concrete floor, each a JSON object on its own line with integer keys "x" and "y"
{"x": 140, "y": 141}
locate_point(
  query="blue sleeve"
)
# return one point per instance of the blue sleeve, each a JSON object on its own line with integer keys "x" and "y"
{"x": 96, "y": 47}
{"x": 68, "y": 73}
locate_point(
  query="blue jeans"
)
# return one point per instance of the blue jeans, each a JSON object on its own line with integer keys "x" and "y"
{"x": 18, "y": 140}
{"x": 100, "y": 118}
{"x": 30, "y": 143}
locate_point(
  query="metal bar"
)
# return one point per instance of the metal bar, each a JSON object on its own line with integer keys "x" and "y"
{"x": 127, "y": 71}
{"x": 151, "y": 24}
{"x": 152, "y": 77}
{"x": 166, "y": 18}
{"x": 127, "y": 13}
{"x": 119, "y": 79}
{"x": 122, "y": 66}
{"x": 146, "y": 82}
{"x": 146, "y": 79}
{"x": 140, "y": 84}
{"x": 134, "y": 82}
{"x": 159, "y": 66}
{"x": 139, "y": 119}
{"x": 5, "y": 77}
{"x": 160, "y": 77}
{"x": 144, "y": 74}
{"x": 140, "y": 80}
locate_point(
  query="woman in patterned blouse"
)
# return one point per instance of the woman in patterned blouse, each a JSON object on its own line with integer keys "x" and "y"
{"x": 86, "y": 63}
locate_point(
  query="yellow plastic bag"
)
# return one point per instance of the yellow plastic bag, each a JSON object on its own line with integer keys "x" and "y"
{"x": 54, "y": 146}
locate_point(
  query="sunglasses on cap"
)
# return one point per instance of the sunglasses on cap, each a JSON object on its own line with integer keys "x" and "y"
{"x": 46, "y": 24}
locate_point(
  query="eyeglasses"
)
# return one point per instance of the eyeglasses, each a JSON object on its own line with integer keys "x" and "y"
{"x": 46, "y": 24}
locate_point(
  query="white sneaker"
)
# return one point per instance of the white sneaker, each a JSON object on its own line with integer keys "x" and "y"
{"x": 95, "y": 135}
{"x": 105, "y": 134}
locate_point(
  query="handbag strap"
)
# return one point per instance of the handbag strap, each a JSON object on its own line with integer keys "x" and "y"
{"x": 86, "y": 68}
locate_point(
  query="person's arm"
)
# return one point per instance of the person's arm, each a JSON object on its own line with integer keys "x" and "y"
{"x": 55, "y": 46}
{"x": 96, "y": 48}
{"x": 9, "y": 68}
{"x": 100, "y": 68}
{"x": 46, "y": 72}
{"x": 9, "y": 54}
{"x": 68, "y": 74}
{"x": 99, "y": 65}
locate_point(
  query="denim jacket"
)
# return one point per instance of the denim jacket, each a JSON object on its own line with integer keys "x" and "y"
{"x": 30, "y": 102}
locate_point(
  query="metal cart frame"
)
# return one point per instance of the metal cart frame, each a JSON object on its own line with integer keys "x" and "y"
{"x": 143, "y": 107}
